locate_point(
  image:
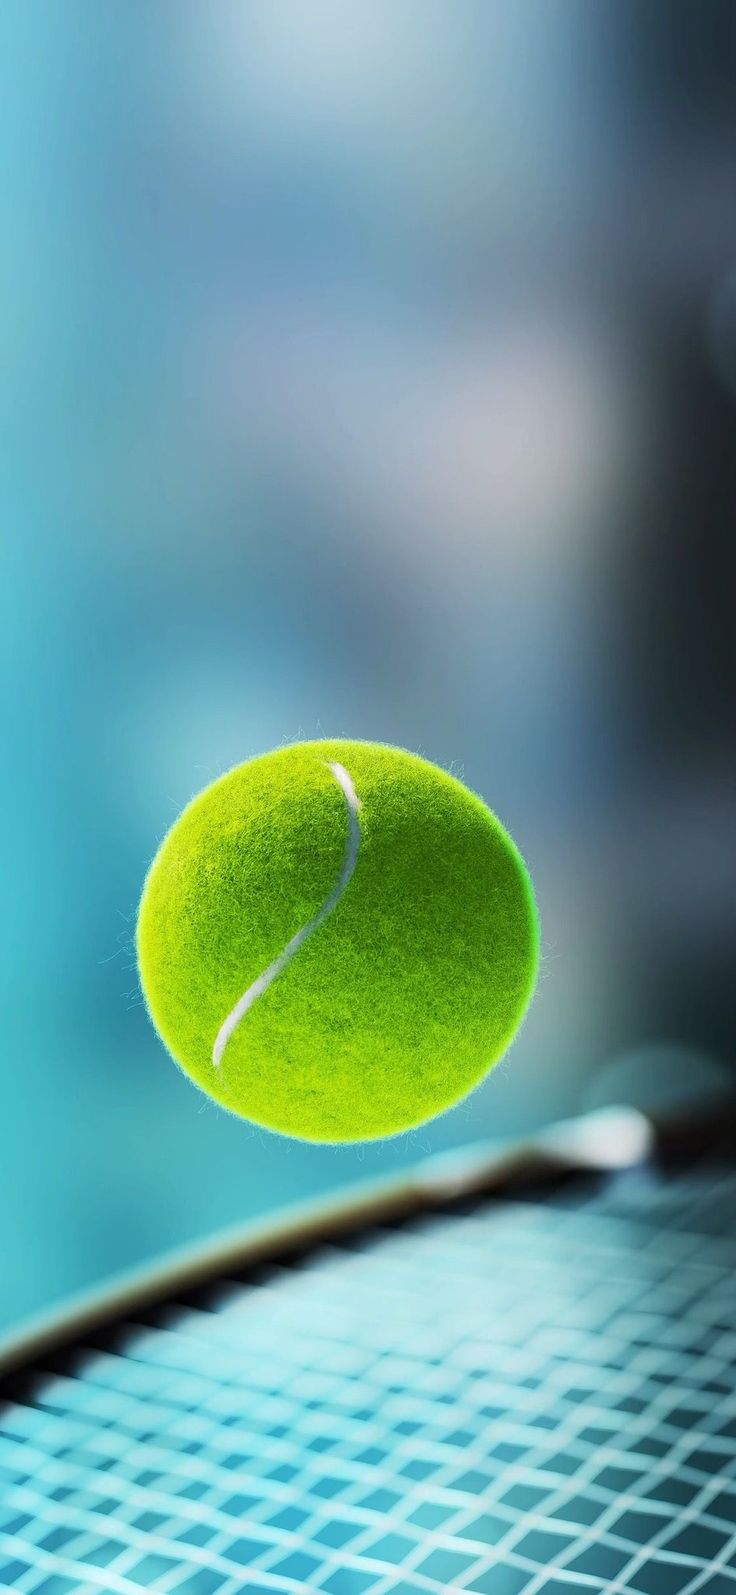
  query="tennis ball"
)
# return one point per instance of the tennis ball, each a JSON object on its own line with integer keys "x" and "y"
{"x": 337, "y": 940}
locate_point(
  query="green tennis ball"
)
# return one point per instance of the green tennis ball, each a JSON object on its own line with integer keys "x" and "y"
{"x": 337, "y": 940}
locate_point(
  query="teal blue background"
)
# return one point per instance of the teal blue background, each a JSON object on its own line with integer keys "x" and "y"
{"x": 366, "y": 371}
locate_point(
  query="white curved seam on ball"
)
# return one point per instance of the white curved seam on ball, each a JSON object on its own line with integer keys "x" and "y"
{"x": 256, "y": 990}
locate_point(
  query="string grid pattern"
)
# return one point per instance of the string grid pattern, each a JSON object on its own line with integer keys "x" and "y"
{"x": 533, "y": 1396}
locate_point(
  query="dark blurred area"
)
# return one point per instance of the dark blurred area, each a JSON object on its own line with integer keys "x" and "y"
{"x": 367, "y": 371}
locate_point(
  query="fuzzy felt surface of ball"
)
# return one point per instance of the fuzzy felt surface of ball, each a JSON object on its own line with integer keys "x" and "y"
{"x": 337, "y": 940}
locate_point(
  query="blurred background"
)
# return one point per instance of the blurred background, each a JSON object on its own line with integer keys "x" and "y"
{"x": 367, "y": 371}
